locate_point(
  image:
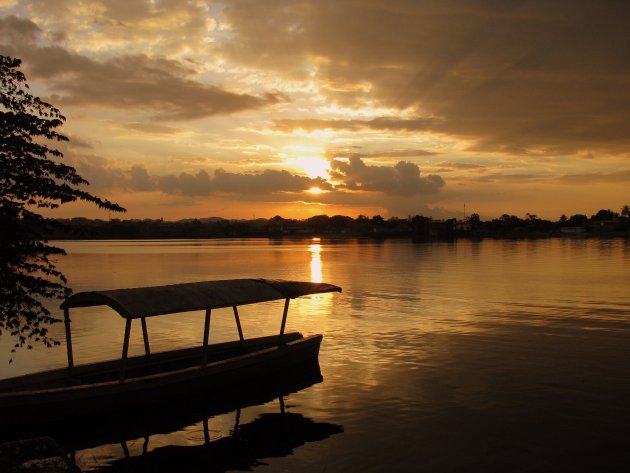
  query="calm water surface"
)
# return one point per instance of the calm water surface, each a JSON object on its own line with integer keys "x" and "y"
{"x": 465, "y": 356}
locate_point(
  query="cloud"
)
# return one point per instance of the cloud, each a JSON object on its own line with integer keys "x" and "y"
{"x": 451, "y": 166}
{"x": 140, "y": 180}
{"x": 167, "y": 27}
{"x": 268, "y": 182}
{"x": 151, "y": 128}
{"x": 402, "y": 179}
{"x": 515, "y": 77}
{"x": 354, "y": 151}
{"x": 351, "y": 181}
{"x": 378, "y": 123}
{"x": 383, "y": 155}
{"x": 138, "y": 82}
{"x": 165, "y": 87}
{"x": 100, "y": 172}
{"x": 582, "y": 179}
{"x": 18, "y": 30}
{"x": 516, "y": 178}
{"x": 105, "y": 176}
{"x": 400, "y": 153}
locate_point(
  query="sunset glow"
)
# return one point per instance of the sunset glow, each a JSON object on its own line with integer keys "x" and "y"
{"x": 198, "y": 109}
{"x": 312, "y": 166}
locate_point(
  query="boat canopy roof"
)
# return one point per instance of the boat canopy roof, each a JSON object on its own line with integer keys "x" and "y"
{"x": 158, "y": 300}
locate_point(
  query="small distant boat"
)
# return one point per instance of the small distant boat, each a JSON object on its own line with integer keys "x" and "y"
{"x": 119, "y": 386}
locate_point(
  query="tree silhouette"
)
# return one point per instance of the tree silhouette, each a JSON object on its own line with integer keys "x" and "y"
{"x": 578, "y": 220}
{"x": 473, "y": 219}
{"x": 31, "y": 178}
{"x": 604, "y": 214}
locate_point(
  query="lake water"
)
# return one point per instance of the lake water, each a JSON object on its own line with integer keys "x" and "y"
{"x": 463, "y": 356}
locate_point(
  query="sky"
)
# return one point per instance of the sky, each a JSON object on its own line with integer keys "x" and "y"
{"x": 256, "y": 108}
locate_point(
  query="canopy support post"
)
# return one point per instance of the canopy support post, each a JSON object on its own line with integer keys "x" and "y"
{"x": 66, "y": 319}
{"x": 123, "y": 361}
{"x": 237, "y": 420}
{"x": 125, "y": 449}
{"x": 238, "y": 324}
{"x": 284, "y": 316}
{"x": 145, "y": 335}
{"x": 206, "y": 431}
{"x": 206, "y": 336}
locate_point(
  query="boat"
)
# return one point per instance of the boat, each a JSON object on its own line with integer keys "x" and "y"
{"x": 139, "y": 383}
{"x": 194, "y": 412}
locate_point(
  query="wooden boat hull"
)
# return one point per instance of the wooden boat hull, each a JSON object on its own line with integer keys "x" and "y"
{"x": 97, "y": 390}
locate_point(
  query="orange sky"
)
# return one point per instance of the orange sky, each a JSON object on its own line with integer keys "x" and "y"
{"x": 263, "y": 107}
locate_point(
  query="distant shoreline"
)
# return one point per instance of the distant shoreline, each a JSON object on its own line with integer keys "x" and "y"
{"x": 604, "y": 224}
{"x": 342, "y": 237}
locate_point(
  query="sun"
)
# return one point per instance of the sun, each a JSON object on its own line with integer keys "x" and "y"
{"x": 315, "y": 191}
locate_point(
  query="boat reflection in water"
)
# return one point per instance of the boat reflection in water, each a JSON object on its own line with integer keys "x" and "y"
{"x": 269, "y": 435}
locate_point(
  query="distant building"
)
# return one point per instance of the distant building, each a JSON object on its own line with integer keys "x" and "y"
{"x": 462, "y": 226}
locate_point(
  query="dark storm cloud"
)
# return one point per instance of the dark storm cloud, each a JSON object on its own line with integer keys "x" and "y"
{"x": 402, "y": 179}
{"x": 134, "y": 82}
{"x": 513, "y": 76}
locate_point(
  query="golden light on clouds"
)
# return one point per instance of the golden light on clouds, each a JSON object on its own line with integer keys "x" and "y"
{"x": 313, "y": 166}
{"x": 233, "y": 109}
{"x": 315, "y": 191}
{"x": 309, "y": 160}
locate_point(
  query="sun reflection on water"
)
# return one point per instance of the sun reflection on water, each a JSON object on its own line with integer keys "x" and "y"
{"x": 316, "y": 260}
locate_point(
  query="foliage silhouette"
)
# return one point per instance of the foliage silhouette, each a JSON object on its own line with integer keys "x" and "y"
{"x": 31, "y": 178}
{"x": 605, "y": 214}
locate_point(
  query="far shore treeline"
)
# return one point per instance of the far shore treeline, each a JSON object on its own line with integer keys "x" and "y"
{"x": 604, "y": 223}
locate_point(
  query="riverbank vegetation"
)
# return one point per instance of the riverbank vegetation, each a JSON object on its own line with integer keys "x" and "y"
{"x": 604, "y": 223}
